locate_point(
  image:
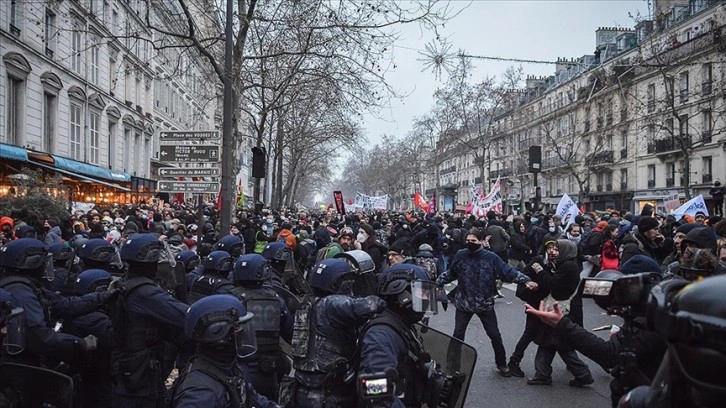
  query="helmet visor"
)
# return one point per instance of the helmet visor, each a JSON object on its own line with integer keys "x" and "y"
{"x": 49, "y": 268}
{"x": 423, "y": 297}
{"x": 14, "y": 341}
{"x": 245, "y": 340}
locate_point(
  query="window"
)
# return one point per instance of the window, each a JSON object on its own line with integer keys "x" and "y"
{"x": 50, "y": 106}
{"x": 15, "y": 111}
{"x": 608, "y": 143}
{"x": 112, "y": 66}
{"x": 93, "y": 143}
{"x": 75, "y": 127}
{"x": 15, "y": 8}
{"x": 684, "y": 87}
{"x": 112, "y": 135}
{"x": 651, "y": 175}
{"x": 624, "y": 143}
{"x": 49, "y": 34}
{"x": 95, "y": 59}
{"x": 670, "y": 174}
{"x": 76, "y": 50}
{"x": 609, "y": 181}
{"x": 114, "y": 22}
{"x": 623, "y": 179}
{"x": 668, "y": 128}
{"x": 706, "y": 78}
{"x": 128, "y": 149}
{"x": 707, "y": 170}
{"x": 599, "y": 182}
{"x": 706, "y": 126}
{"x": 683, "y": 126}
{"x": 670, "y": 86}
{"x": 651, "y": 98}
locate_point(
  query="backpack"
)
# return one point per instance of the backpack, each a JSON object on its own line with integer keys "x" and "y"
{"x": 428, "y": 264}
{"x": 328, "y": 251}
{"x": 259, "y": 244}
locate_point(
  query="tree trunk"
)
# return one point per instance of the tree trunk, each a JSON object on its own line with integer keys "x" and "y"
{"x": 280, "y": 136}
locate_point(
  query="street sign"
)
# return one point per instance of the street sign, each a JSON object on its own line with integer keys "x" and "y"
{"x": 189, "y": 153}
{"x": 188, "y": 135}
{"x": 189, "y": 172}
{"x": 187, "y": 186}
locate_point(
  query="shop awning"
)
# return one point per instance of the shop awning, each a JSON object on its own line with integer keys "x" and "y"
{"x": 13, "y": 152}
{"x": 90, "y": 170}
{"x": 81, "y": 176}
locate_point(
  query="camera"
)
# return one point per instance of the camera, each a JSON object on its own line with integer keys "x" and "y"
{"x": 378, "y": 385}
{"x": 617, "y": 293}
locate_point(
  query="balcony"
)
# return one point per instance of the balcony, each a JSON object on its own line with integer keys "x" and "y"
{"x": 706, "y": 136}
{"x": 670, "y": 182}
{"x": 552, "y": 162}
{"x": 707, "y": 178}
{"x": 447, "y": 170}
{"x": 662, "y": 146}
{"x": 603, "y": 157}
{"x": 651, "y": 183}
{"x": 500, "y": 173}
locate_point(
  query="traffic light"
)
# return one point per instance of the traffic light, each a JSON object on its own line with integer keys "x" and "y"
{"x": 258, "y": 162}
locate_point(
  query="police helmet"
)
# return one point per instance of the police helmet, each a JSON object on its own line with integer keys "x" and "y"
{"x": 277, "y": 251}
{"x": 219, "y": 261}
{"x": 61, "y": 252}
{"x": 693, "y": 322}
{"x": 26, "y": 231}
{"x": 142, "y": 248}
{"x": 97, "y": 249}
{"x": 251, "y": 268}
{"x": 91, "y": 280}
{"x": 231, "y": 244}
{"x": 77, "y": 242}
{"x": 213, "y": 319}
{"x": 332, "y": 276}
{"x": 25, "y": 254}
{"x": 190, "y": 259}
{"x": 408, "y": 286}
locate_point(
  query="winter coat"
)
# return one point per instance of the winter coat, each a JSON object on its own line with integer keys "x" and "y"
{"x": 519, "y": 251}
{"x": 53, "y": 236}
{"x": 499, "y": 239}
{"x": 637, "y": 244}
{"x": 609, "y": 258}
{"x": 289, "y": 237}
{"x": 477, "y": 273}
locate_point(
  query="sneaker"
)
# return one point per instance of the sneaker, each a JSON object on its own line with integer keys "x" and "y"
{"x": 504, "y": 371}
{"x": 499, "y": 295}
{"x": 581, "y": 382}
{"x": 539, "y": 381}
{"x": 515, "y": 370}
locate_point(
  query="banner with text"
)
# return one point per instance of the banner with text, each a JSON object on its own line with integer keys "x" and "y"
{"x": 567, "y": 210}
{"x": 691, "y": 207}
{"x": 366, "y": 203}
{"x": 339, "y": 203}
{"x": 490, "y": 202}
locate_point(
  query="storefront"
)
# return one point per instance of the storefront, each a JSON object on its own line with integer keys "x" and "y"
{"x": 658, "y": 199}
{"x": 81, "y": 182}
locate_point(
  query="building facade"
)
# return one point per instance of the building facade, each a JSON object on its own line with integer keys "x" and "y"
{"x": 640, "y": 121}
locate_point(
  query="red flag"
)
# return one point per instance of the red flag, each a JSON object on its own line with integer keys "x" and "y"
{"x": 420, "y": 202}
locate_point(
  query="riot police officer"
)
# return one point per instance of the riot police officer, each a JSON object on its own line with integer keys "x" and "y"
{"x": 272, "y": 320}
{"x": 26, "y": 262}
{"x": 12, "y": 324}
{"x": 143, "y": 316}
{"x": 325, "y": 337}
{"x": 217, "y": 266}
{"x": 63, "y": 257}
{"x": 189, "y": 259}
{"x": 95, "y": 372}
{"x": 285, "y": 271}
{"x": 232, "y": 244}
{"x": 690, "y": 316}
{"x": 97, "y": 253}
{"x": 218, "y": 325}
{"x": 391, "y": 347}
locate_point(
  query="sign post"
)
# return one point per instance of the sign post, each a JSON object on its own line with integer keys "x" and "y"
{"x": 189, "y": 153}
{"x": 196, "y": 187}
{"x": 188, "y": 135}
{"x": 189, "y": 172}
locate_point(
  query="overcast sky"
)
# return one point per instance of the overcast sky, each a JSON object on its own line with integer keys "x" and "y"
{"x": 533, "y": 30}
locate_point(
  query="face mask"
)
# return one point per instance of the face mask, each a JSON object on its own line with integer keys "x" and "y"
{"x": 533, "y": 220}
{"x": 576, "y": 239}
{"x": 361, "y": 237}
{"x": 553, "y": 229}
{"x": 473, "y": 246}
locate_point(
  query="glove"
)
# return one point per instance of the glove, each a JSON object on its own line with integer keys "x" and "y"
{"x": 88, "y": 343}
{"x": 109, "y": 294}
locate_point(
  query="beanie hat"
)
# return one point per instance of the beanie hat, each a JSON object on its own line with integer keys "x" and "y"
{"x": 638, "y": 264}
{"x": 686, "y": 228}
{"x": 401, "y": 246}
{"x": 368, "y": 229}
{"x": 602, "y": 224}
{"x": 646, "y": 224}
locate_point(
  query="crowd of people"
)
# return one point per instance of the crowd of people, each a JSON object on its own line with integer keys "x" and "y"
{"x": 119, "y": 298}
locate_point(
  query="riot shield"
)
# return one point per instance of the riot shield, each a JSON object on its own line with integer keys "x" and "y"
{"x": 294, "y": 280}
{"x": 23, "y": 382}
{"x": 455, "y": 358}
{"x": 366, "y": 281}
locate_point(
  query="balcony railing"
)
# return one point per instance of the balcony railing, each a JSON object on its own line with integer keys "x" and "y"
{"x": 706, "y": 136}
{"x": 670, "y": 182}
{"x": 448, "y": 170}
{"x": 603, "y": 157}
{"x": 552, "y": 162}
{"x": 707, "y": 178}
{"x": 651, "y": 183}
{"x": 500, "y": 173}
{"x": 662, "y": 146}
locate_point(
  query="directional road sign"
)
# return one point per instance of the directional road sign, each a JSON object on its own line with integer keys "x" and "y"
{"x": 188, "y": 135}
{"x": 189, "y": 153}
{"x": 189, "y": 172}
{"x": 187, "y": 187}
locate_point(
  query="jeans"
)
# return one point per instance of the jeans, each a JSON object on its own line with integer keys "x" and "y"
{"x": 530, "y": 328}
{"x": 489, "y": 321}
{"x": 546, "y": 354}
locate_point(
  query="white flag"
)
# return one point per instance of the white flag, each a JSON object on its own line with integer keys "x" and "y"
{"x": 691, "y": 207}
{"x": 567, "y": 210}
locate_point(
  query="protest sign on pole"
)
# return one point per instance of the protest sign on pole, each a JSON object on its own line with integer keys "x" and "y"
{"x": 691, "y": 207}
{"x": 567, "y": 210}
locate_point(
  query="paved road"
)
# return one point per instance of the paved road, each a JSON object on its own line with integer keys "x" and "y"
{"x": 489, "y": 389}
